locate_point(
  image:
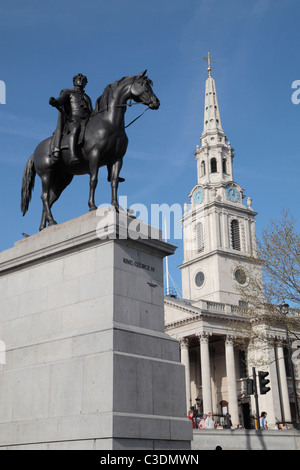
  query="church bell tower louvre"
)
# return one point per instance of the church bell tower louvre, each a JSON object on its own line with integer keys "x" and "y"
{"x": 218, "y": 229}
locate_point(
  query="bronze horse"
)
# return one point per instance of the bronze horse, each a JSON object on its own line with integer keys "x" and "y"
{"x": 104, "y": 144}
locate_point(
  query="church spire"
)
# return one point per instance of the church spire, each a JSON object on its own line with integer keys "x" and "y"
{"x": 212, "y": 118}
{"x": 214, "y": 156}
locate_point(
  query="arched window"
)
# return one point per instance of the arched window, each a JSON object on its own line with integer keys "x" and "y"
{"x": 203, "y": 172}
{"x": 199, "y": 237}
{"x": 235, "y": 235}
{"x": 213, "y": 165}
{"x": 224, "y": 165}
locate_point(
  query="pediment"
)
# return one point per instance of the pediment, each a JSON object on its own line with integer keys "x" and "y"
{"x": 177, "y": 310}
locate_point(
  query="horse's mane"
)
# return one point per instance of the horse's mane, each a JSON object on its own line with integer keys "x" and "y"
{"x": 103, "y": 101}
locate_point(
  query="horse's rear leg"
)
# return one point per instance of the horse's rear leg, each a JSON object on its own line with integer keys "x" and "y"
{"x": 45, "y": 196}
{"x": 55, "y": 191}
{"x": 115, "y": 171}
{"x": 43, "y": 221}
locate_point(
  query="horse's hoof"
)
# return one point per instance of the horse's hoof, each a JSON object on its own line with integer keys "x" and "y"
{"x": 93, "y": 208}
{"x": 52, "y": 222}
{"x": 116, "y": 207}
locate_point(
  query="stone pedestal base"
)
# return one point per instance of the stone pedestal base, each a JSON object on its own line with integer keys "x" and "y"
{"x": 88, "y": 364}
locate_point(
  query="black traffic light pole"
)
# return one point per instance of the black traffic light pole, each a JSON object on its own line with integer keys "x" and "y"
{"x": 255, "y": 394}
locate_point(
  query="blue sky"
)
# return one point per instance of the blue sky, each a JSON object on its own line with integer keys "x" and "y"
{"x": 255, "y": 46}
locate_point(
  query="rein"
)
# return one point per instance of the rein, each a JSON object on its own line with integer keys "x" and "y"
{"x": 136, "y": 117}
{"x": 124, "y": 105}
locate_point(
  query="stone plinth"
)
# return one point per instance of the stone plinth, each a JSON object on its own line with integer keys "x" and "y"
{"x": 88, "y": 363}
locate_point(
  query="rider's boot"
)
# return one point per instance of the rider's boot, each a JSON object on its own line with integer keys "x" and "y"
{"x": 74, "y": 160}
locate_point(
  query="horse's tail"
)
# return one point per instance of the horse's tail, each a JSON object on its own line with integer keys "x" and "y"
{"x": 27, "y": 184}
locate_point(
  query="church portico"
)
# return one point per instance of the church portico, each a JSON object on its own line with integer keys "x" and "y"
{"x": 212, "y": 375}
{"x": 217, "y": 369}
{"x": 209, "y": 356}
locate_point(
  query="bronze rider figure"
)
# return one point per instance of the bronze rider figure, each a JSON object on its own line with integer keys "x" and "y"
{"x": 75, "y": 107}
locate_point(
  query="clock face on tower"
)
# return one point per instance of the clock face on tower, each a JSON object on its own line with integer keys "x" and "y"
{"x": 240, "y": 276}
{"x": 198, "y": 196}
{"x": 232, "y": 193}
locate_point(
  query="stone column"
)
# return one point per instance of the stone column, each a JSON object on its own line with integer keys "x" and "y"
{"x": 284, "y": 385}
{"x": 185, "y": 359}
{"x": 205, "y": 372}
{"x": 231, "y": 381}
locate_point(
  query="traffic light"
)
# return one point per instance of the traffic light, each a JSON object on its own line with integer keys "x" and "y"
{"x": 263, "y": 382}
{"x": 250, "y": 386}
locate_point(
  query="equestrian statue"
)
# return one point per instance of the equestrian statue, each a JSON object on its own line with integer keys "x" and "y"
{"x": 85, "y": 139}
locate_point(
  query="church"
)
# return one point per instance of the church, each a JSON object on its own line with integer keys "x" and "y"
{"x": 218, "y": 239}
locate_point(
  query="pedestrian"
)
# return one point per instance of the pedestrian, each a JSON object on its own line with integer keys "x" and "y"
{"x": 209, "y": 422}
{"x": 202, "y": 422}
{"x": 256, "y": 423}
{"x": 191, "y": 417}
{"x": 228, "y": 423}
{"x": 263, "y": 421}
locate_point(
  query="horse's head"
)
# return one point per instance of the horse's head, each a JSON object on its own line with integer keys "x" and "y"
{"x": 141, "y": 91}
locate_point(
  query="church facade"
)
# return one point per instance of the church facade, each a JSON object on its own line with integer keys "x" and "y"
{"x": 218, "y": 239}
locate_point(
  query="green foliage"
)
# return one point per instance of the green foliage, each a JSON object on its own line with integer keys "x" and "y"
{"x": 279, "y": 255}
{"x": 273, "y": 279}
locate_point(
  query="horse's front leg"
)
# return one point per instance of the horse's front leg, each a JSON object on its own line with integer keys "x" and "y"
{"x": 94, "y": 168}
{"x": 115, "y": 171}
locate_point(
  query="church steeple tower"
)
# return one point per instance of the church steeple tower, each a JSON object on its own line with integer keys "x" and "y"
{"x": 218, "y": 230}
{"x": 214, "y": 158}
{"x": 212, "y": 119}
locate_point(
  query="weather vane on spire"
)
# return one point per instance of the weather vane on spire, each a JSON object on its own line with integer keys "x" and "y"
{"x": 208, "y": 59}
